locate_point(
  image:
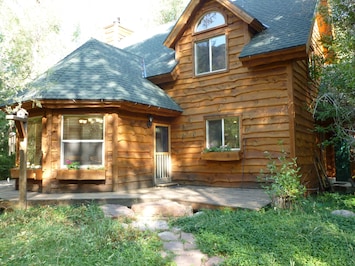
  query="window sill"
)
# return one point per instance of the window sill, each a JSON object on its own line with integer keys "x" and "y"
{"x": 81, "y": 174}
{"x": 35, "y": 174}
{"x": 222, "y": 156}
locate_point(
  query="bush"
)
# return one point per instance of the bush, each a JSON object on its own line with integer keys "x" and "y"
{"x": 282, "y": 180}
{"x": 6, "y": 161}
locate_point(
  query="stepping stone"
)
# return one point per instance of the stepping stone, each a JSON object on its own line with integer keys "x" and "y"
{"x": 115, "y": 211}
{"x": 168, "y": 236}
{"x": 344, "y": 213}
{"x": 214, "y": 261}
{"x": 162, "y": 208}
{"x": 173, "y": 246}
{"x": 189, "y": 241}
{"x": 153, "y": 225}
{"x": 192, "y": 257}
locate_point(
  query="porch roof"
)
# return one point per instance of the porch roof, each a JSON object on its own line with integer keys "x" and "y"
{"x": 97, "y": 71}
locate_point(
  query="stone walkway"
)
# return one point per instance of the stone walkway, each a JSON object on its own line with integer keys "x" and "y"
{"x": 151, "y": 207}
{"x": 180, "y": 244}
{"x": 199, "y": 197}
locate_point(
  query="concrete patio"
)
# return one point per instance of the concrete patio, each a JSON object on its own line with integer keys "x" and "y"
{"x": 199, "y": 197}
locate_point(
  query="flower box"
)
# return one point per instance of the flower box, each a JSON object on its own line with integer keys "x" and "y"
{"x": 222, "y": 156}
{"x": 81, "y": 174}
{"x": 32, "y": 173}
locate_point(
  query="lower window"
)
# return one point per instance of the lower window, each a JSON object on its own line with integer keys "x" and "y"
{"x": 34, "y": 142}
{"x": 82, "y": 141}
{"x": 223, "y": 133}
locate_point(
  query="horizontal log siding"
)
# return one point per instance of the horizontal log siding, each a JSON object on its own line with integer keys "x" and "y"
{"x": 305, "y": 137}
{"x": 258, "y": 95}
{"x": 135, "y": 144}
{"x": 129, "y": 147}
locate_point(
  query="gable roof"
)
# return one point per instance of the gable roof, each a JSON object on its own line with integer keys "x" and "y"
{"x": 98, "y": 71}
{"x": 289, "y": 24}
{"x": 194, "y": 5}
{"x": 279, "y": 24}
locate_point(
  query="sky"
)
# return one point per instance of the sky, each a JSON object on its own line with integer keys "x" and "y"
{"x": 89, "y": 16}
{"x": 93, "y": 15}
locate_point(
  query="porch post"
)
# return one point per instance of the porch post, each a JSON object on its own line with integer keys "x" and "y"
{"x": 21, "y": 125}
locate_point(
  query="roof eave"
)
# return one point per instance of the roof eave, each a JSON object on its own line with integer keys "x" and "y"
{"x": 123, "y": 105}
{"x": 164, "y": 77}
{"x": 294, "y": 53}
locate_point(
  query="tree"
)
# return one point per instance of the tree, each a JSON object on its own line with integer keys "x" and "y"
{"x": 335, "y": 105}
{"x": 171, "y": 10}
{"x": 29, "y": 35}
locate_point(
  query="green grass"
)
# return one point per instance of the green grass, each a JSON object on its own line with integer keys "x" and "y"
{"x": 306, "y": 235}
{"x": 81, "y": 235}
{"x": 68, "y": 235}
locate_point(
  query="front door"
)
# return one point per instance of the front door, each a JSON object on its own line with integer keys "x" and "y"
{"x": 162, "y": 166}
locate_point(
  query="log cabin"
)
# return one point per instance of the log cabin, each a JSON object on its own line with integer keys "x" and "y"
{"x": 195, "y": 102}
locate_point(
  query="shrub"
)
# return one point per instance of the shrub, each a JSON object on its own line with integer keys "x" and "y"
{"x": 282, "y": 180}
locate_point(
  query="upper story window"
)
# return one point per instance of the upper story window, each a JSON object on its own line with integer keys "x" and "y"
{"x": 83, "y": 140}
{"x": 210, "y": 20}
{"x": 210, "y": 51}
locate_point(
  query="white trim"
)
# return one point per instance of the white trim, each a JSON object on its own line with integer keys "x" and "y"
{"x": 63, "y": 141}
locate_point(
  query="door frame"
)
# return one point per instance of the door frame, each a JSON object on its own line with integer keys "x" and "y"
{"x": 167, "y": 179}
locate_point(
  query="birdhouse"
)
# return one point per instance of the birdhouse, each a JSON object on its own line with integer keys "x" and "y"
{"x": 22, "y": 113}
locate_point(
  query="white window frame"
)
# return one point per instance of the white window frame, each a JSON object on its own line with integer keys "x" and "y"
{"x": 210, "y": 55}
{"x": 63, "y": 141}
{"x": 223, "y": 140}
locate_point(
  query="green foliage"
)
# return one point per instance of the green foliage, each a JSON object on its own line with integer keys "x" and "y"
{"x": 6, "y": 161}
{"x": 306, "y": 235}
{"x": 282, "y": 180}
{"x": 218, "y": 149}
{"x": 335, "y": 105}
{"x": 171, "y": 11}
{"x": 73, "y": 165}
{"x": 67, "y": 235}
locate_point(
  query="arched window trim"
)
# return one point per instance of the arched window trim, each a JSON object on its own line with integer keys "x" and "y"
{"x": 212, "y": 28}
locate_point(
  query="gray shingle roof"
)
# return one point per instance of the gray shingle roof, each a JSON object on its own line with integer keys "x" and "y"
{"x": 98, "y": 71}
{"x": 158, "y": 58}
{"x": 288, "y": 22}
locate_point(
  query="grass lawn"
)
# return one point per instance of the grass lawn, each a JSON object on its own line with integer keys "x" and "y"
{"x": 73, "y": 235}
{"x": 81, "y": 235}
{"x": 307, "y": 235}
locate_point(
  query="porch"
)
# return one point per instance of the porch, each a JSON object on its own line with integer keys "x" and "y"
{"x": 199, "y": 197}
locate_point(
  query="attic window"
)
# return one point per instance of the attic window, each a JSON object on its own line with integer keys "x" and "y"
{"x": 209, "y": 21}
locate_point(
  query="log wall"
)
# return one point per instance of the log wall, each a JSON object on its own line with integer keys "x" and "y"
{"x": 129, "y": 150}
{"x": 305, "y": 138}
{"x": 259, "y": 95}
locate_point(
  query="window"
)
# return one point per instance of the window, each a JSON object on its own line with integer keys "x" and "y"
{"x": 83, "y": 140}
{"x": 34, "y": 141}
{"x": 210, "y": 20}
{"x": 223, "y": 132}
{"x": 210, "y": 53}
